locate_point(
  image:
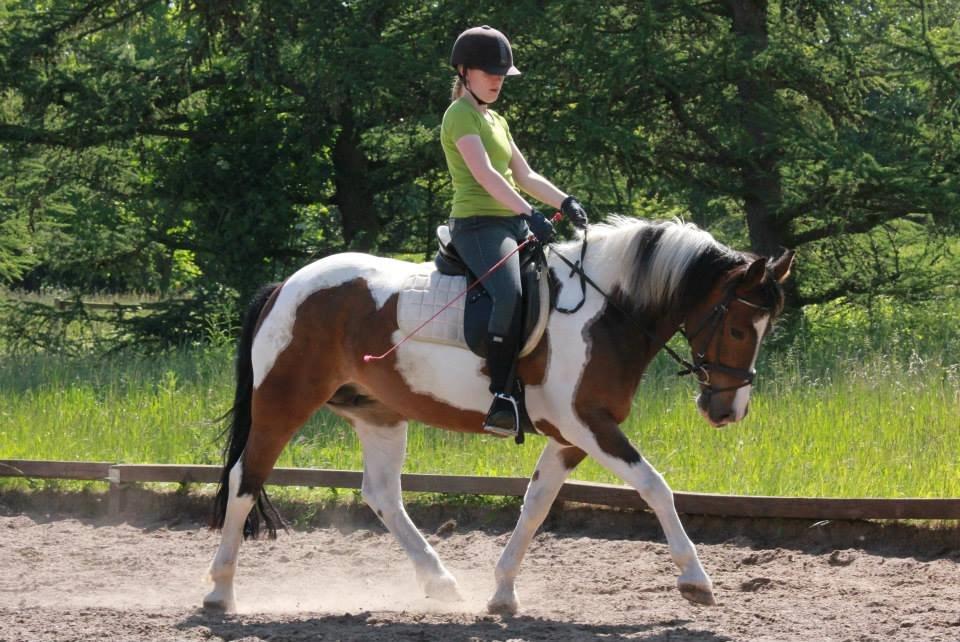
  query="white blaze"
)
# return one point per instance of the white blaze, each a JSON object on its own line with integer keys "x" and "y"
{"x": 742, "y": 397}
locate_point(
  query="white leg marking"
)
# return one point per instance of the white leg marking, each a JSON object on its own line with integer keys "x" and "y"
{"x": 384, "y": 448}
{"x": 224, "y": 564}
{"x": 694, "y": 583}
{"x": 541, "y": 492}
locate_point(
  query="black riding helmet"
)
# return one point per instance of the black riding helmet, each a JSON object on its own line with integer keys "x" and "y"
{"x": 484, "y": 48}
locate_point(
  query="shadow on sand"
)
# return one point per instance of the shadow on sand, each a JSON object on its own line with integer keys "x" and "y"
{"x": 384, "y": 627}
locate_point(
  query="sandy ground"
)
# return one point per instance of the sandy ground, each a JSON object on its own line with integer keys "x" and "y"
{"x": 589, "y": 575}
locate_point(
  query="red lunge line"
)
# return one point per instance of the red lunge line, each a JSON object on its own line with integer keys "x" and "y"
{"x": 369, "y": 357}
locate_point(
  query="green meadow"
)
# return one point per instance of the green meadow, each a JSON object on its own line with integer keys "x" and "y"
{"x": 849, "y": 402}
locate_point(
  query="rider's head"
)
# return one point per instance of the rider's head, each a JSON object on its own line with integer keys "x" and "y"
{"x": 482, "y": 57}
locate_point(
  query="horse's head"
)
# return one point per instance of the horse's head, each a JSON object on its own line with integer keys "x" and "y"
{"x": 725, "y": 331}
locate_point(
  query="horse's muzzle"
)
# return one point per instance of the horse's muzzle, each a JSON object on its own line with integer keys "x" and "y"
{"x": 723, "y": 408}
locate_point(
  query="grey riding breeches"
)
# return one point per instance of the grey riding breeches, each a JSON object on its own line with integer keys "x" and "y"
{"x": 481, "y": 241}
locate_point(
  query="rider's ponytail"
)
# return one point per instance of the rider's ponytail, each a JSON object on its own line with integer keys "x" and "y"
{"x": 457, "y": 90}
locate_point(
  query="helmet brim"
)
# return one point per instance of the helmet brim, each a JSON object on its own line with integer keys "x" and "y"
{"x": 502, "y": 71}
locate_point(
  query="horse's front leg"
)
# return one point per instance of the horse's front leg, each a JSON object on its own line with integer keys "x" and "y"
{"x": 554, "y": 466}
{"x": 384, "y": 449}
{"x": 606, "y": 443}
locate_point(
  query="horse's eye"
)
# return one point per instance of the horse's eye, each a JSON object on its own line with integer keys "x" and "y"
{"x": 737, "y": 334}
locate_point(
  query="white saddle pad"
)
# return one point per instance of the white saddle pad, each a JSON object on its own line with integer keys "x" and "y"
{"x": 424, "y": 295}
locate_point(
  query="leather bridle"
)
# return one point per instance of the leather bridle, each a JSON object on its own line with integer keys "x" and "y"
{"x": 699, "y": 367}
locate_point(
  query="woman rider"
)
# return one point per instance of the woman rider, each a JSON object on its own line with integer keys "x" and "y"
{"x": 489, "y": 215}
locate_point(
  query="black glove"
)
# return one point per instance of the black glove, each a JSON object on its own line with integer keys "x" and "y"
{"x": 540, "y": 226}
{"x": 574, "y": 211}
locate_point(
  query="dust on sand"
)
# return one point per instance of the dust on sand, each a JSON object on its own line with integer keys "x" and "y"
{"x": 70, "y": 573}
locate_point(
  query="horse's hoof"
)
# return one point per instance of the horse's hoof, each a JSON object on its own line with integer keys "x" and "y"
{"x": 503, "y": 604}
{"x": 443, "y": 588}
{"x": 216, "y": 604}
{"x": 501, "y": 608}
{"x": 698, "y": 594}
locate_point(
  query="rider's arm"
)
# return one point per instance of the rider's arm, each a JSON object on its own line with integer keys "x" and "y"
{"x": 475, "y": 156}
{"x": 533, "y": 183}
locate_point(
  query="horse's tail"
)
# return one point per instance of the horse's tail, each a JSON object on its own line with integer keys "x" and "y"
{"x": 238, "y": 420}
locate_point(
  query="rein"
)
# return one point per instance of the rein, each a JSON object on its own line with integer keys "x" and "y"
{"x": 699, "y": 367}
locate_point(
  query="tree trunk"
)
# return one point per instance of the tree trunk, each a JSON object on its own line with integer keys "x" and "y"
{"x": 354, "y": 194}
{"x": 762, "y": 188}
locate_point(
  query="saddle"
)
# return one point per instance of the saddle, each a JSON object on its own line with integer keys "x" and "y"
{"x": 464, "y": 323}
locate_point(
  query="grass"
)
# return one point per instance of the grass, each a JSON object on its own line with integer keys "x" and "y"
{"x": 847, "y": 404}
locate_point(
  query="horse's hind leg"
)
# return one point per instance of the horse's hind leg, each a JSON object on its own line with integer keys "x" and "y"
{"x": 556, "y": 462}
{"x": 384, "y": 449}
{"x": 224, "y": 564}
{"x": 275, "y": 418}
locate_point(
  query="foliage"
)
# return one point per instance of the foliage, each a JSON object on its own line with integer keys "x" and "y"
{"x": 205, "y": 316}
{"x": 154, "y": 147}
{"x": 30, "y": 326}
{"x": 82, "y": 328}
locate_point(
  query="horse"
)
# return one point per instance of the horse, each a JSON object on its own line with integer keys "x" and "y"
{"x": 302, "y": 344}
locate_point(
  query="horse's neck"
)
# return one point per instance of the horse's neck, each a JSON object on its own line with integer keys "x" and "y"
{"x": 625, "y": 346}
{"x": 596, "y": 263}
{"x": 608, "y": 262}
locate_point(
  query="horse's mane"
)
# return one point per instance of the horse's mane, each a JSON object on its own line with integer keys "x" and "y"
{"x": 659, "y": 265}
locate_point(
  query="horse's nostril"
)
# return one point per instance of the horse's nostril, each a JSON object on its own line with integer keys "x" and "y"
{"x": 723, "y": 419}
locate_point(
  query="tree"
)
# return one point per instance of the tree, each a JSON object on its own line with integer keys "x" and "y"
{"x": 809, "y": 124}
{"x": 150, "y": 145}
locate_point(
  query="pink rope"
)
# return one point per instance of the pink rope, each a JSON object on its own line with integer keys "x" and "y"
{"x": 367, "y": 358}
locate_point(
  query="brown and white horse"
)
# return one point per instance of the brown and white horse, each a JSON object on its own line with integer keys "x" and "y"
{"x": 303, "y": 343}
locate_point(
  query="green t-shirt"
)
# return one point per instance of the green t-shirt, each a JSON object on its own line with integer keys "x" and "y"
{"x": 469, "y": 197}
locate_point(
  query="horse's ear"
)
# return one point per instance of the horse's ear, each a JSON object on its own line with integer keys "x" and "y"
{"x": 755, "y": 274}
{"x": 782, "y": 266}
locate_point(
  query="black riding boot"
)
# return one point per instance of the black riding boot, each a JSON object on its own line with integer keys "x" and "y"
{"x": 503, "y": 418}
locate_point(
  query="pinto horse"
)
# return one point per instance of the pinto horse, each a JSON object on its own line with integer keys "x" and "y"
{"x": 303, "y": 342}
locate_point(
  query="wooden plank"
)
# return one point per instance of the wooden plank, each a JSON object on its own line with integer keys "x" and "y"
{"x": 818, "y": 507}
{"x": 576, "y": 491}
{"x": 63, "y": 304}
{"x": 176, "y": 473}
{"x": 516, "y": 486}
{"x": 504, "y": 486}
{"x": 588, "y": 493}
{"x": 761, "y": 506}
{"x": 601, "y": 494}
{"x": 79, "y": 470}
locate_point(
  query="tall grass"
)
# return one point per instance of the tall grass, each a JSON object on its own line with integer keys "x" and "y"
{"x": 847, "y": 403}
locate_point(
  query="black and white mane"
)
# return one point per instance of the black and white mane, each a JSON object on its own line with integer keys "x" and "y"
{"x": 674, "y": 263}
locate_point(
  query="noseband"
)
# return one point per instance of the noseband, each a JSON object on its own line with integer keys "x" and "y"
{"x": 700, "y": 366}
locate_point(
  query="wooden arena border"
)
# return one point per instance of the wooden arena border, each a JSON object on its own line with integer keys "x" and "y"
{"x": 121, "y": 476}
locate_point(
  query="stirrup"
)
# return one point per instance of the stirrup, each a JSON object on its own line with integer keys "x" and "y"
{"x": 497, "y": 418}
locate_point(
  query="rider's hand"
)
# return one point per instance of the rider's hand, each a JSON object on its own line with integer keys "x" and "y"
{"x": 574, "y": 211}
{"x": 540, "y": 226}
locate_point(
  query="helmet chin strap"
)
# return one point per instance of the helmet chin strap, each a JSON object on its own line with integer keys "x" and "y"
{"x": 466, "y": 86}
